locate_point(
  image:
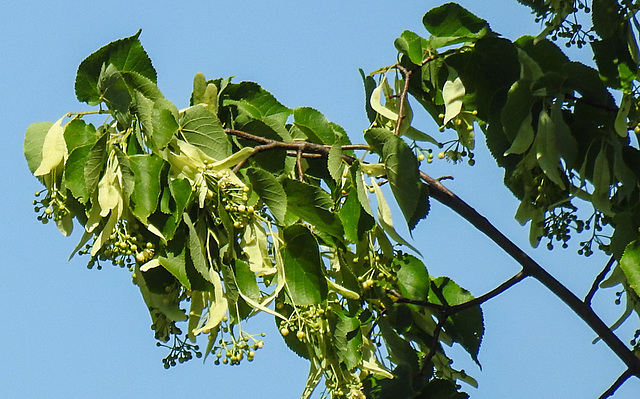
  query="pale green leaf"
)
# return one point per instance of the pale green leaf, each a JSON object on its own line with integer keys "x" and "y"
{"x": 377, "y": 106}
{"x": 601, "y": 182}
{"x": 621, "y": 117}
{"x": 33, "y": 143}
{"x": 335, "y": 165}
{"x": 386, "y": 220}
{"x": 630, "y": 265}
{"x": 54, "y": 149}
{"x": 546, "y": 149}
{"x": 452, "y": 93}
{"x": 524, "y": 138}
{"x": 196, "y": 248}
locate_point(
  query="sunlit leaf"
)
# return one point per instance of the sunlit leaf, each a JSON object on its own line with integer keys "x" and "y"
{"x": 203, "y": 129}
{"x": 451, "y": 20}
{"x": 270, "y": 190}
{"x": 53, "y": 149}
{"x": 33, "y": 143}
{"x": 146, "y": 170}
{"x": 303, "y": 267}
{"x": 315, "y": 125}
{"x": 125, "y": 55}
{"x": 547, "y": 150}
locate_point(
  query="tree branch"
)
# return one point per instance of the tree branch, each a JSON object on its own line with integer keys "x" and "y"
{"x": 449, "y": 310}
{"x": 599, "y": 278}
{"x": 403, "y": 97}
{"x": 530, "y": 267}
{"x": 617, "y": 384}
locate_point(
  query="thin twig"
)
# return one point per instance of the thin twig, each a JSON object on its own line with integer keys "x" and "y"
{"x": 599, "y": 278}
{"x": 403, "y": 97}
{"x": 453, "y": 309}
{"x": 617, "y": 384}
{"x": 299, "y": 163}
{"x": 436, "y": 335}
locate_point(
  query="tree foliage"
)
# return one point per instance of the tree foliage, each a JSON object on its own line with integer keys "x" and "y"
{"x": 239, "y": 205}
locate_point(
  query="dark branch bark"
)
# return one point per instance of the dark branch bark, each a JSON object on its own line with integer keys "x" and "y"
{"x": 531, "y": 268}
{"x": 617, "y": 384}
{"x": 599, "y": 278}
{"x": 450, "y": 310}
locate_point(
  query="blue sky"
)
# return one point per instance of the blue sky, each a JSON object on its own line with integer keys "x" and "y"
{"x": 75, "y": 333}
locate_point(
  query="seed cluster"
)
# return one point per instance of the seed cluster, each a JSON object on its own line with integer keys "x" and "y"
{"x": 51, "y": 207}
{"x": 233, "y": 350}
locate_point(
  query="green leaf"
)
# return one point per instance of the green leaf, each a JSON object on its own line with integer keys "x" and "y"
{"x": 203, "y": 129}
{"x": 350, "y": 215}
{"x": 142, "y": 84}
{"x": 546, "y": 149}
{"x": 376, "y": 137}
{"x": 605, "y": 15}
{"x": 348, "y": 340}
{"x": 125, "y": 55}
{"x": 312, "y": 204}
{"x": 146, "y": 170}
{"x": 386, "y": 220}
{"x": 315, "y": 125}
{"x": 515, "y": 111}
{"x": 523, "y": 139}
{"x": 253, "y": 102}
{"x": 78, "y": 133}
{"x": 422, "y": 208}
{"x": 33, "y": 142}
{"x": 196, "y": 248}
{"x": 115, "y": 94}
{"x": 630, "y": 265}
{"x": 303, "y": 267}
{"x": 413, "y": 278}
{"x": 335, "y": 165}
{"x": 369, "y": 86}
{"x": 174, "y": 262}
{"x": 403, "y": 175}
{"x": 270, "y": 192}
{"x": 74, "y": 173}
{"x": 158, "y": 119}
{"x": 96, "y": 159}
{"x": 246, "y": 280}
{"x": 451, "y": 20}
{"x": 465, "y": 327}
{"x": 412, "y": 45}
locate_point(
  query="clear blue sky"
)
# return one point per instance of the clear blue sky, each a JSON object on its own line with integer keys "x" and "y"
{"x": 69, "y": 332}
